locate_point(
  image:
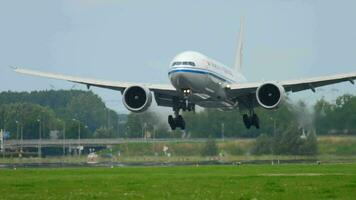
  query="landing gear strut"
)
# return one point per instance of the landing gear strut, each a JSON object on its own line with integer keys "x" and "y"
{"x": 251, "y": 120}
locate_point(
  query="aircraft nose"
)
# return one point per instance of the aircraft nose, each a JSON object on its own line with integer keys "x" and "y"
{"x": 179, "y": 80}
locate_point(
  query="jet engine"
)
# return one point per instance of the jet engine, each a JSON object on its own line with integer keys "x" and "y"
{"x": 137, "y": 98}
{"x": 270, "y": 95}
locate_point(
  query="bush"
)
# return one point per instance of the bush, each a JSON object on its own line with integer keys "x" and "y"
{"x": 288, "y": 142}
{"x": 233, "y": 149}
{"x": 186, "y": 149}
{"x": 136, "y": 149}
{"x": 263, "y": 145}
{"x": 210, "y": 148}
{"x": 309, "y": 146}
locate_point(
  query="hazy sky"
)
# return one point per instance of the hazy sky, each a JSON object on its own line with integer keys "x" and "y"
{"x": 132, "y": 40}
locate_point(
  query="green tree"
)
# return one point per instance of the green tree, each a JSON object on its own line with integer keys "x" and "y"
{"x": 148, "y": 121}
{"x": 336, "y": 118}
{"x": 64, "y": 105}
{"x": 29, "y": 118}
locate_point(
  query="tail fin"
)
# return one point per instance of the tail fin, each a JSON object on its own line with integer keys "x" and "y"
{"x": 238, "y": 55}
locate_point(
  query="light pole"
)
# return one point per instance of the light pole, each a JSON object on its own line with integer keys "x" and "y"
{"x": 78, "y": 135}
{"x": 75, "y": 120}
{"x": 154, "y": 132}
{"x": 17, "y": 129}
{"x": 144, "y": 130}
{"x": 108, "y": 118}
{"x": 118, "y": 126}
{"x": 64, "y": 138}
{"x": 127, "y": 131}
{"x": 17, "y": 134}
{"x": 3, "y": 138}
{"x": 21, "y": 147}
{"x": 39, "y": 138}
{"x": 222, "y": 130}
{"x": 79, "y": 132}
{"x": 274, "y": 127}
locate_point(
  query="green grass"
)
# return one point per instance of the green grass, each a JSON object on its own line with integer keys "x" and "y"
{"x": 337, "y": 181}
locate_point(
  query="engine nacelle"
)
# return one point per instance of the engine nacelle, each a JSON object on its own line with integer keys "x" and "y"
{"x": 270, "y": 95}
{"x": 137, "y": 98}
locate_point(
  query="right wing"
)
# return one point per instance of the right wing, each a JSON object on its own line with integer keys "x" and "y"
{"x": 243, "y": 89}
{"x": 312, "y": 83}
{"x": 164, "y": 93}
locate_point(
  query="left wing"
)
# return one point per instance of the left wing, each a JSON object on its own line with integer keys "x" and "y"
{"x": 241, "y": 89}
{"x": 163, "y": 92}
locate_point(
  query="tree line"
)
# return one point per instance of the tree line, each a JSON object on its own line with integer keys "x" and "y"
{"x": 70, "y": 110}
{"x": 35, "y": 114}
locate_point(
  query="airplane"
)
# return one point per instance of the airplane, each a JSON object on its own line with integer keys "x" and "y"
{"x": 199, "y": 80}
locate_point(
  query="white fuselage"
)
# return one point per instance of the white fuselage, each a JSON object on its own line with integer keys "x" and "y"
{"x": 205, "y": 78}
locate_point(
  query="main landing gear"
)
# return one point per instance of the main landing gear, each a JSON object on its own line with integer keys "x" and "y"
{"x": 251, "y": 120}
{"x": 177, "y": 120}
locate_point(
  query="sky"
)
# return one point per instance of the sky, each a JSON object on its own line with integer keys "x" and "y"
{"x": 135, "y": 40}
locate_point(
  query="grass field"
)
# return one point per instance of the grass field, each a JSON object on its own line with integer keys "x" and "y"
{"x": 337, "y": 181}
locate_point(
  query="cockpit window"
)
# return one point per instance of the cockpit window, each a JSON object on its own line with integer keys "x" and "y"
{"x": 183, "y": 63}
{"x": 176, "y": 63}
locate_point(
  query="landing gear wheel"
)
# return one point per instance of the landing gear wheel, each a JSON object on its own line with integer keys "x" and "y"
{"x": 176, "y": 122}
{"x": 172, "y": 122}
{"x": 247, "y": 121}
{"x": 255, "y": 121}
{"x": 251, "y": 121}
{"x": 180, "y": 122}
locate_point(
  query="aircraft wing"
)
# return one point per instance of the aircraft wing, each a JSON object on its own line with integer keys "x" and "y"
{"x": 312, "y": 83}
{"x": 164, "y": 90}
{"x": 295, "y": 85}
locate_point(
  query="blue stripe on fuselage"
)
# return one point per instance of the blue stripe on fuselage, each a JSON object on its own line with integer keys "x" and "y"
{"x": 200, "y": 72}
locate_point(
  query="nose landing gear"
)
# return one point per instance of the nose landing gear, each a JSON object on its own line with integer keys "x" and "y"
{"x": 177, "y": 121}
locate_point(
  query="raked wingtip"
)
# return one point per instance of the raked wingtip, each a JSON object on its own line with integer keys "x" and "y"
{"x": 13, "y": 67}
